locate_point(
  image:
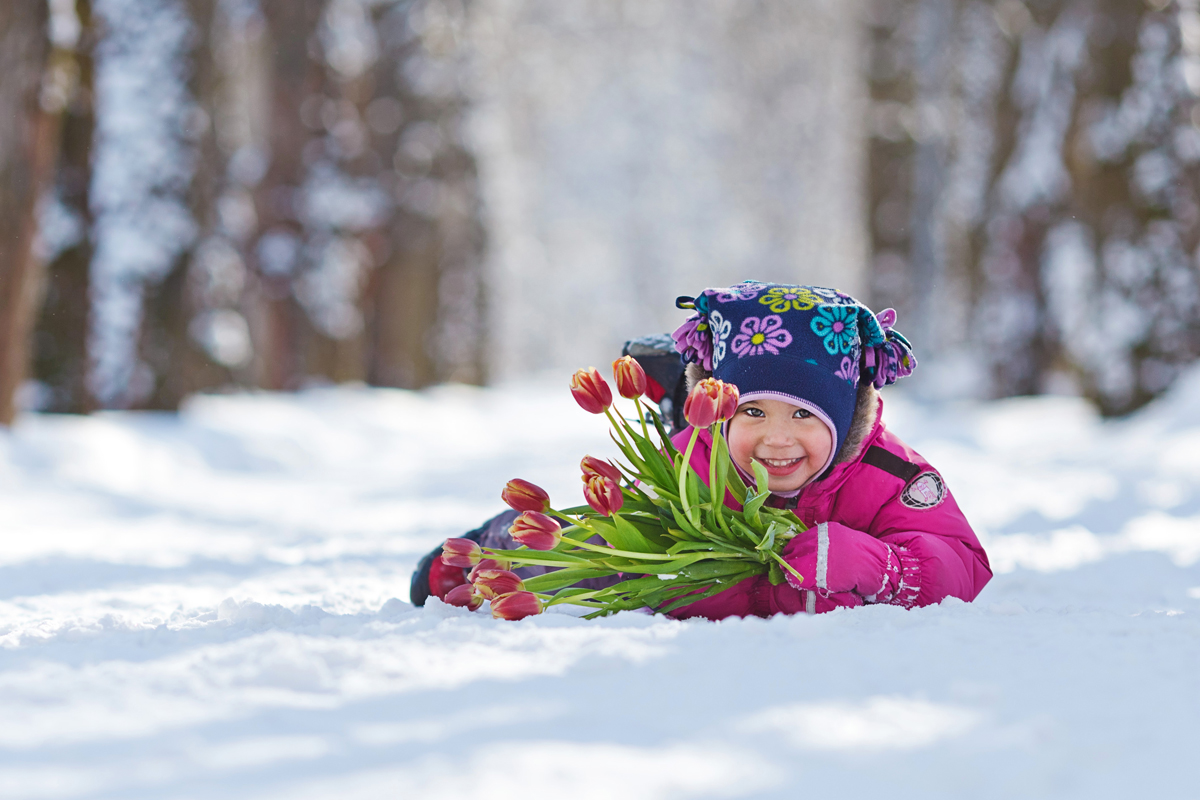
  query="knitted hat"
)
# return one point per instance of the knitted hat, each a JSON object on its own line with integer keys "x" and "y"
{"x": 806, "y": 345}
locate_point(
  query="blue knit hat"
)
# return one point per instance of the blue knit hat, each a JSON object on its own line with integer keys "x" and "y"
{"x": 806, "y": 345}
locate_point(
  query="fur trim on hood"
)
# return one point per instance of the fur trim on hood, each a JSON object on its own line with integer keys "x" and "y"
{"x": 866, "y": 411}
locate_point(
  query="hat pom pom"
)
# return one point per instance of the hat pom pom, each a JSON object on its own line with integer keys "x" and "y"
{"x": 693, "y": 340}
{"x": 887, "y": 355}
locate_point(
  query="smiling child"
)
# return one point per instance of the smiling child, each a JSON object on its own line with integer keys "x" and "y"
{"x": 882, "y": 524}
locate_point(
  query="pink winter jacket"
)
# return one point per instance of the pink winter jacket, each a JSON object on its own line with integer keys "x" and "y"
{"x": 883, "y": 528}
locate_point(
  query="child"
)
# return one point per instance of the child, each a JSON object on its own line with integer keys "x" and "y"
{"x": 883, "y": 527}
{"x": 808, "y": 361}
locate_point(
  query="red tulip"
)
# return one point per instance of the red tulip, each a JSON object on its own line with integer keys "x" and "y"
{"x": 521, "y": 495}
{"x": 703, "y": 404}
{"x": 631, "y": 378}
{"x": 591, "y": 391}
{"x": 492, "y": 583}
{"x": 464, "y": 596}
{"x": 603, "y": 495}
{"x": 461, "y": 553}
{"x": 594, "y": 466}
{"x": 487, "y": 563}
{"x": 728, "y": 404}
{"x": 536, "y": 531}
{"x": 517, "y": 605}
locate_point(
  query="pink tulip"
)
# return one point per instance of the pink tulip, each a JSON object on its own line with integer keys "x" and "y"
{"x": 536, "y": 531}
{"x": 703, "y": 404}
{"x": 492, "y": 583}
{"x": 603, "y": 495}
{"x": 464, "y": 596}
{"x": 521, "y": 495}
{"x": 631, "y": 378}
{"x": 517, "y": 605}
{"x": 728, "y": 403}
{"x": 461, "y": 553}
{"x": 591, "y": 391}
{"x": 594, "y": 466}
{"x": 487, "y": 563}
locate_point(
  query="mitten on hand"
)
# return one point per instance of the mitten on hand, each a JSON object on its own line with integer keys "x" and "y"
{"x": 833, "y": 559}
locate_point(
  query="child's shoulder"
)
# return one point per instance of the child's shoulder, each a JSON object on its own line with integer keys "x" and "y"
{"x": 896, "y": 472}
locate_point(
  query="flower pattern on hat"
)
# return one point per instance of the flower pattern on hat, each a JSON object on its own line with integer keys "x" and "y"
{"x": 836, "y": 326}
{"x": 781, "y": 299}
{"x": 721, "y": 328}
{"x": 761, "y": 335}
{"x": 746, "y": 290}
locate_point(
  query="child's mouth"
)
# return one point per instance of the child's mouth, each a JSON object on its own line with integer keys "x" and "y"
{"x": 780, "y": 466}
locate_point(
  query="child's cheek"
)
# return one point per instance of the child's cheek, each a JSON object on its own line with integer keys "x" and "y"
{"x": 741, "y": 444}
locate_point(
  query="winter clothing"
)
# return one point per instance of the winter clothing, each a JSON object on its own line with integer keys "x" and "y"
{"x": 806, "y": 345}
{"x": 883, "y": 528}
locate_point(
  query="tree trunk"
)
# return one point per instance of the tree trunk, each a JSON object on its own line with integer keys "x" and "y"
{"x": 60, "y": 358}
{"x": 28, "y": 143}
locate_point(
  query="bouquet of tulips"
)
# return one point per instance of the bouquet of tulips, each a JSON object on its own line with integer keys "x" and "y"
{"x": 670, "y": 536}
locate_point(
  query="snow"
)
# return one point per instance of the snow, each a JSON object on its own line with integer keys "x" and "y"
{"x": 213, "y": 605}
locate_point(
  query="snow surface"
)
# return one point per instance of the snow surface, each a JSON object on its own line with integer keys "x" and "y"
{"x": 213, "y": 605}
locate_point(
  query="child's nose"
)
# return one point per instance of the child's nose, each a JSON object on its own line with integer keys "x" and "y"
{"x": 778, "y": 436}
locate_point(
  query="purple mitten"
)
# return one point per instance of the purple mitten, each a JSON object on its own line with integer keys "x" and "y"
{"x": 832, "y": 559}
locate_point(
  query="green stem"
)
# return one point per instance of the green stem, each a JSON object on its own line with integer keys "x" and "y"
{"x": 683, "y": 476}
{"x": 637, "y": 401}
{"x": 716, "y": 502}
{"x": 626, "y": 553}
{"x": 618, "y": 426}
{"x": 787, "y": 566}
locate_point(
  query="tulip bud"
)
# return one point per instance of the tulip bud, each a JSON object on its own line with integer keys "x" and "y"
{"x": 603, "y": 495}
{"x": 464, "y": 596}
{"x": 487, "y": 563}
{"x": 728, "y": 403}
{"x": 521, "y": 495}
{"x": 591, "y": 391}
{"x": 461, "y": 553}
{"x": 594, "y": 466}
{"x": 517, "y": 605}
{"x": 631, "y": 378}
{"x": 536, "y": 531}
{"x": 492, "y": 583}
{"x": 703, "y": 404}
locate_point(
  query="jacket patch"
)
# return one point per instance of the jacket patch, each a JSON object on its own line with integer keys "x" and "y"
{"x": 925, "y": 491}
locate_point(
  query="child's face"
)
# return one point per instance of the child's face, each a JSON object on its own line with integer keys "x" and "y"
{"x": 788, "y": 440}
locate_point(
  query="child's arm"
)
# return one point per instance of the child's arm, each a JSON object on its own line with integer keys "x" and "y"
{"x": 910, "y": 556}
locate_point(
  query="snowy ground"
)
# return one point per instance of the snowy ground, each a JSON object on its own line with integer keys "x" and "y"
{"x": 214, "y": 605}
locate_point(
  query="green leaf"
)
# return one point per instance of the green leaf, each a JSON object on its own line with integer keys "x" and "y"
{"x": 746, "y": 531}
{"x": 633, "y": 538}
{"x": 720, "y": 457}
{"x": 545, "y": 557}
{"x": 562, "y": 578}
{"x": 752, "y": 507}
{"x": 761, "y": 479}
{"x": 710, "y": 570}
{"x": 683, "y": 522}
{"x": 663, "y": 437}
{"x": 658, "y": 468}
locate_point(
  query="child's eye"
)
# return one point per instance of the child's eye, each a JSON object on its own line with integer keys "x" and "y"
{"x": 802, "y": 413}
{"x": 753, "y": 412}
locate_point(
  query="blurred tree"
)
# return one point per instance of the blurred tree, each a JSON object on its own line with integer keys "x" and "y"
{"x": 1034, "y": 181}
{"x": 30, "y": 106}
{"x": 60, "y": 359}
{"x": 366, "y": 246}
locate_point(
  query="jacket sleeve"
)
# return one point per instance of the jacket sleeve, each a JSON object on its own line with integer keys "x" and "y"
{"x": 895, "y": 535}
{"x": 938, "y": 553}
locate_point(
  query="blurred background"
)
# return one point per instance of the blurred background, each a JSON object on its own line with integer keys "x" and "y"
{"x": 202, "y": 195}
